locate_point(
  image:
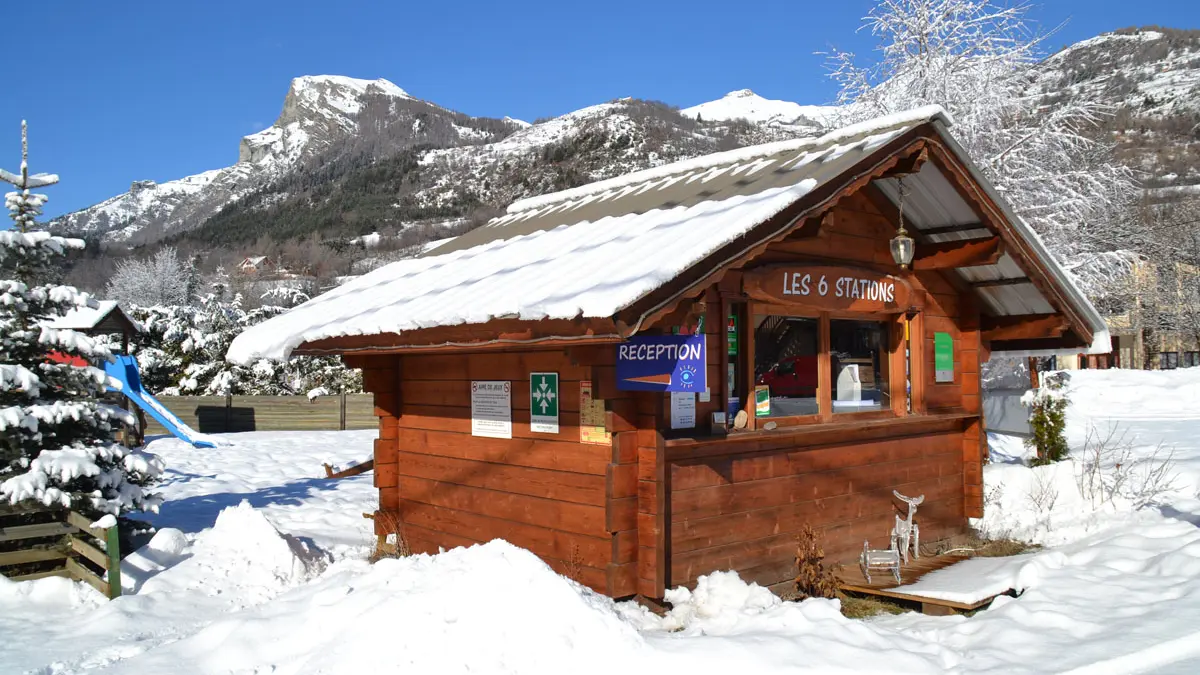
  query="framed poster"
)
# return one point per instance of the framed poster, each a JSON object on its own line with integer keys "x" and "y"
{"x": 491, "y": 408}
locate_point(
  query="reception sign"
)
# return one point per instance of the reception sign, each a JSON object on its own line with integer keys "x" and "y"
{"x": 662, "y": 363}
{"x": 828, "y": 288}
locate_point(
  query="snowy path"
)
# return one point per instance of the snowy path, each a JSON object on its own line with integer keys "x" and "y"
{"x": 1116, "y": 591}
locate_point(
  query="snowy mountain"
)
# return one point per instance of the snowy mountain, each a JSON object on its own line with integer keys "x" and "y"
{"x": 349, "y": 157}
{"x": 1150, "y": 80}
{"x": 747, "y": 105}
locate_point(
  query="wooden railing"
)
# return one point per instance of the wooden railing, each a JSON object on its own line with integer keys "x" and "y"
{"x": 37, "y": 542}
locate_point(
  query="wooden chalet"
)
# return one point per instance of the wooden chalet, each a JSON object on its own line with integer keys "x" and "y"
{"x": 833, "y": 376}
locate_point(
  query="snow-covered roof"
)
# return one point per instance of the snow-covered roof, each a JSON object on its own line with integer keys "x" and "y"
{"x": 588, "y": 252}
{"x": 88, "y": 318}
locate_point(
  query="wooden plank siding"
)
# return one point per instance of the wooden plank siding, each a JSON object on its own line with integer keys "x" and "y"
{"x": 745, "y": 512}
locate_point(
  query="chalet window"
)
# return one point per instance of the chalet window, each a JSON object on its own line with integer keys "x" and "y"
{"x": 1168, "y": 360}
{"x": 1190, "y": 360}
{"x": 858, "y": 352}
{"x": 785, "y": 362}
{"x": 791, "y": 351}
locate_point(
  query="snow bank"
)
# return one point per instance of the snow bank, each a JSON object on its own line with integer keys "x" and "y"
{"x": 1123, "y": 427}
{"x": 243, "y": 557}
{"x": 48, "y": 593}
{"x": 280, "y": 473}
{"x": 492, "y": 608}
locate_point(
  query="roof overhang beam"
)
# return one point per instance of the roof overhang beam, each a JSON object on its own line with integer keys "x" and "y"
{"x": 953, "y": 254}
{"x": 1022, "y": 327}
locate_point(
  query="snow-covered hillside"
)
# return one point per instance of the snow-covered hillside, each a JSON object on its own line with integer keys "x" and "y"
{"x": 1149, "y": 80}
{"x": 464, "y": 160}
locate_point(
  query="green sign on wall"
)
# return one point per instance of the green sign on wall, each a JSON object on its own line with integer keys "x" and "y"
{"x": 943, "y": 357}
{"x": 543, "y": 403}
{"x": 731, "y": 334}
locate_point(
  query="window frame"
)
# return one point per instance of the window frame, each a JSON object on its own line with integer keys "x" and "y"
{"x": 898, "y": 394}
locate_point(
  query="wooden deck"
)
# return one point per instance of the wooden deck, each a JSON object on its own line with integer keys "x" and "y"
{"x": 883, "y": 584}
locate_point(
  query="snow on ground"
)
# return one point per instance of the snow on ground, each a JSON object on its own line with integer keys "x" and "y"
{"x": 279, "y": 473}
{"x": 258, "y": 567}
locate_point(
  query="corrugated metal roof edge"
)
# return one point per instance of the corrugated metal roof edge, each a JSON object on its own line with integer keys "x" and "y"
{"x": 922, "y": 115}
{"x": 1101, "y": 341}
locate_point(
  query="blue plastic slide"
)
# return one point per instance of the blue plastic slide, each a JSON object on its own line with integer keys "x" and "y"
{"x": 125, "y": 370}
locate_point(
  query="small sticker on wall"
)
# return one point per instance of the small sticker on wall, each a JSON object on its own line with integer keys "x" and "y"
{"x": 762, "y": 401}
{"x": 683, "y": 410}
{"x": 592, "y": 428}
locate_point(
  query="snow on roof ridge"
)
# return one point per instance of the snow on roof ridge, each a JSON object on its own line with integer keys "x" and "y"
{"x": 924, "y": 113}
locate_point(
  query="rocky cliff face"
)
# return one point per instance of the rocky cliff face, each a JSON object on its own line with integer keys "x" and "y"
{"x": 322, "y": 116}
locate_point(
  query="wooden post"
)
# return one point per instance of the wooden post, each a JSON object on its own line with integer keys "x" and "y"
{"x": 112, "y": 546}
{"x": 1033, "y": 373}
{"x": 824, "y": 370}
{"x": 228, "y": 413}
{"x": 343, "y": 411}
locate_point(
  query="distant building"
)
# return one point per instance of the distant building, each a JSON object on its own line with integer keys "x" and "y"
{"x": 1156, "y": 327}
{"x": 256, "y": 265}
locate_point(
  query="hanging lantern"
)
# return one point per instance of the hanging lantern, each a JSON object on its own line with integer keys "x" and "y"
{"x": 902, "y": 245}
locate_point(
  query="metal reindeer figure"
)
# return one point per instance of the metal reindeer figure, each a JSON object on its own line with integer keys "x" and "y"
{"x": 906, "y": 533}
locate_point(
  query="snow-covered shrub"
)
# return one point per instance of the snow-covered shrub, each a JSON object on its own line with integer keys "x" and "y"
{"x": 56, "y": 438}
{"x": 1048, "y": 418}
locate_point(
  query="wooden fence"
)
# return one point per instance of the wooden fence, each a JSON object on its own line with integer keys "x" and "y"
{"x": 225, "y": 414}
{"x": 39, "y": 542}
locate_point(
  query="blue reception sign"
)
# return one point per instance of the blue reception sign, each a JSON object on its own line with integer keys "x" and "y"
{"x": 662, "y": 363}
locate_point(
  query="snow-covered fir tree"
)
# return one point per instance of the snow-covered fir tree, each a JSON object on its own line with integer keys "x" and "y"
{"x": 56, "y": 438}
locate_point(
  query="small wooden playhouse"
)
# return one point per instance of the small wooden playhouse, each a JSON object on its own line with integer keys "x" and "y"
{"x": 510, "y": 404}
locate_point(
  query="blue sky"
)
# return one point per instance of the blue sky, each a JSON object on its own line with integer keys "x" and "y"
{"x": 123, "y": 91}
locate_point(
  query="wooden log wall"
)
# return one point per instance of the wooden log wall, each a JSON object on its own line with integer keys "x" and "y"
{"x": 745, "y": 510}
{"x": 572, "y": 504}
